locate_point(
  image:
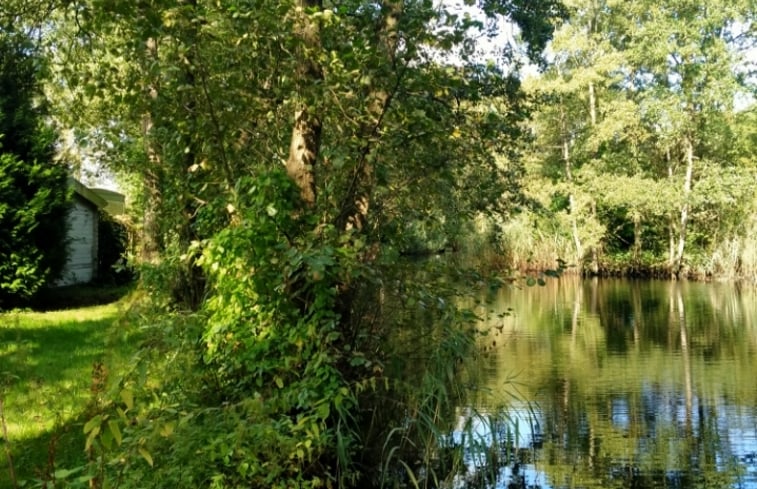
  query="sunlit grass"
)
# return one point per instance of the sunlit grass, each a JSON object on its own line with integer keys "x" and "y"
{"x": 46, "y": 365}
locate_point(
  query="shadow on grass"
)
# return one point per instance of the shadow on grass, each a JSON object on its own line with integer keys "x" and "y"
{"x": 46, "y": 372}
{"x": 31, "y": 357}
{"x": 37, "y": 459}
{"x": 75, "y": 296}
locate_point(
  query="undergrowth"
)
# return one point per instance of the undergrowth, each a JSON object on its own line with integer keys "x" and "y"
{"x": 304, "y": 368}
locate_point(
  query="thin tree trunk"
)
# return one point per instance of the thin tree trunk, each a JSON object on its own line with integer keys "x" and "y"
{"x": 689, "y": 148}
{"x": 593, "y": 119}
{"x": 357, "y": 201}
{"x": 636, "y": 239}
{"x": 672, "y": 232}
{"x": 574, "y": 229}
{"x": 151, "y": 242}
{"x": 572, "y": 207}
{"x": 566, "y": 159}
{"x": 672, "y": 226}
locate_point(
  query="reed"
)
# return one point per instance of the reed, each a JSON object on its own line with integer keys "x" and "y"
{"x": 533, "y": 244}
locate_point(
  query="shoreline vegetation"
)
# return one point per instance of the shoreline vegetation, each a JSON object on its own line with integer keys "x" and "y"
{"x": 720, "y": 265}
{"x": 526, "y": 245}
{"x": 532, "y": 242}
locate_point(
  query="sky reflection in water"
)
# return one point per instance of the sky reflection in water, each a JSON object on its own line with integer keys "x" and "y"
{"x": 618, "y": 383}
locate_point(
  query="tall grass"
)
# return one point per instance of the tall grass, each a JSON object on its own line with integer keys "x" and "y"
{"x": 736, "y": 256}
{"x": 533, "y": 244}
{"x": 46, "y": 367}
{"x": 524, "y": 242}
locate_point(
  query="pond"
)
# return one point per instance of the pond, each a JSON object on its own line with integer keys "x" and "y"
{"x": 618, "y": 383}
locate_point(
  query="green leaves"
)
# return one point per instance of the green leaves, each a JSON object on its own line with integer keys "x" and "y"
{"x": 629, "y": 91}
{"x": 34, "y": 201}
{"x": 271, "y": 324}
{"x": 196, "y": 100}
{"x": 34, "y": 195}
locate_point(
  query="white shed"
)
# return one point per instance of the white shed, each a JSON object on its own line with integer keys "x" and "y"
{"x": 82, "y": 236}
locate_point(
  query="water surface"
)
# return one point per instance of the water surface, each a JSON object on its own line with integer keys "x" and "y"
{"x": 616, "y": 383}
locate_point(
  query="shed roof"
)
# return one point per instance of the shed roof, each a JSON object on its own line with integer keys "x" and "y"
{"x": 84, "y": 192}
{"x": 115, "y": 201}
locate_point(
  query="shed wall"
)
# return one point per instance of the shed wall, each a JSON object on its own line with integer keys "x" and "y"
{"x": 82, "y": 257}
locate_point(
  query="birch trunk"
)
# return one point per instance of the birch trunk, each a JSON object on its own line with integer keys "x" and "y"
{"x": 593, "y": 119}
{"x": 672, "y": 225}
{"x": 572, "y": 207}
{"x": 689, "y": 148}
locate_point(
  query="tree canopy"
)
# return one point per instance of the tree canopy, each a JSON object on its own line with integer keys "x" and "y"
{"x": 638, "y": 122}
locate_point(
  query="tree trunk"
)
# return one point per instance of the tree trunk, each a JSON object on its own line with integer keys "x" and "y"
{"x": 151, "y": 243}
{"x": 189, "y": 289}
{"x": 303, "y": 153}
{"x": 574, "y": 229}
{"x": 672, "y": 232}
{"x": 593, "y": 119}
{"x": 306, "y": 131}
{"x": 672, "y": 227}
{"x": 355, "y": 205}
{"x": 354, "y": 208}
{"x": 572, "y": 207}
{"x": 689, "y": 148}
{"x": 636, "y": 239}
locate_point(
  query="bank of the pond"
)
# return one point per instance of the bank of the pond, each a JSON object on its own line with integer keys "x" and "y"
{"x": 609, "y": 267}
{"x": 292, "y": 400}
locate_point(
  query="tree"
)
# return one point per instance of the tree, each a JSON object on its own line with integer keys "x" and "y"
{"x": 640, "y": 121}
{"x": 33, "y": 188}
{"x": 582, "y": 117}
{"x": 283, "y": 148}
{"x": 683, "y": 59}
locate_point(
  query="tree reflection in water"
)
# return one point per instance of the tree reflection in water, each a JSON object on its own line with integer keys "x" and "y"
{"x": 631, "y": 384}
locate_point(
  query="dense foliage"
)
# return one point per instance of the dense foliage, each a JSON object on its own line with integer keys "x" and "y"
{"x": 642, "y": 160}
{"x": 285, "y": 155}
{"x": 33, "y": 188}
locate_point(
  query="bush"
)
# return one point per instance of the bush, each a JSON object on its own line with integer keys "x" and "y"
{"x": 34, "y": 202}
{"x": 34, "y": 197}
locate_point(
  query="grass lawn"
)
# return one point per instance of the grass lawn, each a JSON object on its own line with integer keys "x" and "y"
{"x": 46, "y": 366}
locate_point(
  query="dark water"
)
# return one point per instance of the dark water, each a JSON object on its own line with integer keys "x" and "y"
{"x": 615, "y": 383}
